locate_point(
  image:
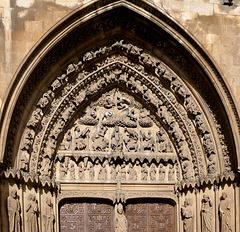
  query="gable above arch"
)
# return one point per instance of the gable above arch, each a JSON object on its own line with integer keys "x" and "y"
{"x": 174, "y": 76}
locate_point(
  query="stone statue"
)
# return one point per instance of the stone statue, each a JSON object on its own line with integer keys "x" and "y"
{"x": 144, "y": 171}
{"x": 32, "y": 214}
{"x": 132, "y": 172}
{"x": 153, "y": 172}
{"x": 48, "y": 217}
{"x": 171, "y": 173}
{"x": 161, "y": 172}
{"x": 46, "y": 167}
{"x": 72, "y": 169}
{"x": 117, "y": 140}
{"x": 100, "y": 143}
{"x": 113, "y": 171}
{"x": 14, "y": 211}
{"x": 81, "y": 171}
{"x": 225, "y": 214}
{"x": 24, "y": 160}
{"x": 206, "y": 214}
{"x": 121, "y": 224}
{"x": 147, "y": 141}
{"x": 103, "y": 171}
{"x": 187, "y": 216}
{"x": 63, "y": 170}
{"x": 91, "y": 172}
{"x": 123, "y": 171}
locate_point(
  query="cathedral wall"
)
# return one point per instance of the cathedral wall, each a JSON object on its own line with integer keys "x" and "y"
{"x": 214, "y": 25}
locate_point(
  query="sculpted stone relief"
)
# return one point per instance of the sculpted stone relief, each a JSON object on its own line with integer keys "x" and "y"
{"x": 32, "y": 214}
{"x": 187, "y": 215}
{"x": 170, "y": 112}
{"x": 121, "y": 224}
{"x": 207, "y": 214}
{"x": 105, "y": 170}
{"x": 14, "y": 212}
{"x": 225, "y": 213}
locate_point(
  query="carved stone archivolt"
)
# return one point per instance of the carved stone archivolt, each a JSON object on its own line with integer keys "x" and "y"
{"x": 178, "y": 132}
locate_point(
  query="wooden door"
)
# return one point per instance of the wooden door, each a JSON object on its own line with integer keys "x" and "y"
{"x": 150, "y": 217}
{"x": 86, "y": 217}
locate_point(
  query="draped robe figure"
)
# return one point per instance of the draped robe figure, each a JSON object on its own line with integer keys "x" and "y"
{"x": 32, "y": 214}
{"x": 121, "y": 224}
{"x": 225, "y": 214}
{"x": 187, "y": 216}
{"x": 48, "y": 217}
{"x": 206, "y": 213}
{"x": 14, "y": 210}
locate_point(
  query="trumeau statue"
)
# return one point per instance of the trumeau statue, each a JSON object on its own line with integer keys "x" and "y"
{"x": 121, "y": 224}
{"x": 225, "y": 214}
{"x": 14, "y": 210}
{"x": 32, "y": 214}
{"x": 187, "y": 216}
{"x": 206, "y": 214}
{"x": 48, "y": 217}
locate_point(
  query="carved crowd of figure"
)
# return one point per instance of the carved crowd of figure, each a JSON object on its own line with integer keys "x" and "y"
{"x": 70, "y": 169}
{"x": 32, "y": 214}
{"x": 128, "y": 140}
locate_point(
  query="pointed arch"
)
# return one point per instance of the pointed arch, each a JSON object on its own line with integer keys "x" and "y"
{"x": 99, "y": 25}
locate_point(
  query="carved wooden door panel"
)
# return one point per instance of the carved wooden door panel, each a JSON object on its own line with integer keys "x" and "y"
{"x": 86, "y": 217}
{"x": 150, "y": 217}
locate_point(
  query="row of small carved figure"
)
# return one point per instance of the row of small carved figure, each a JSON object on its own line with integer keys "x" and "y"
{"x": 111, "y": 171}
{"x": 207, "y": 214}
{"x": 81, "y": 141}
{"x": 32, "y": 213}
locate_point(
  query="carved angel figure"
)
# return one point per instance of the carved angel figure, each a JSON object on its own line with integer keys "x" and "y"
{"x": 121, "y": 224}
{"x": 48, "y": 217}
{"x": 225, "y": 214}
{"x": 187, "y": 216}
{"x": 32, "y": 214}
{"x": 206, "y": 213}
{"x": 14, "y": 210}
{"x": 100, "y": 143}
{"x": 46, "y": 167}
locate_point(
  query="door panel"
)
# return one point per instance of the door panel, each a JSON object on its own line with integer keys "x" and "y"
{"x": 150, "y": 217}
{"x": 98, "y": 217}
{"x": 86, "y": 217}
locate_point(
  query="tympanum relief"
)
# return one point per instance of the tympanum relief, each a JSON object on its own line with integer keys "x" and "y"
{"x": 116, "y": 136}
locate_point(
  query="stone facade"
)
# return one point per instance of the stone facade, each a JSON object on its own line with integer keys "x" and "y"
{"x": 118, "y": 102}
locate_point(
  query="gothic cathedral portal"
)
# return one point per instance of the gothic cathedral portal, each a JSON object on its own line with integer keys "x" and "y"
{"x": 118, "y": 121}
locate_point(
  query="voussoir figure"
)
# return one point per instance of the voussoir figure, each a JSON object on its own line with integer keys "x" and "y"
{"x": 14, "y": 210}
